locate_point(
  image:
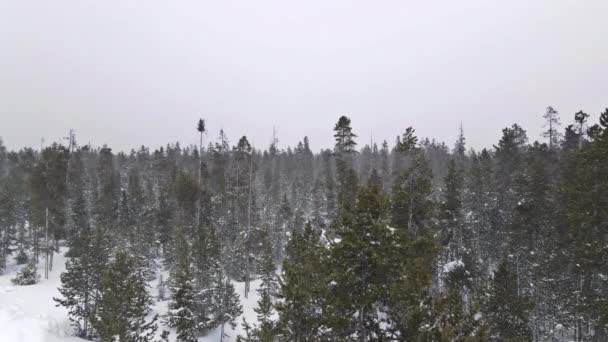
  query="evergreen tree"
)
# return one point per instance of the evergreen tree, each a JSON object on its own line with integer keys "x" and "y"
{"x": 8, "y": 219}
{"x": 28, "y": 274}
{"x": 228, "y": 303}
{"x": 301, "y": 287}
{"x": 284, "y": 219}
{"x": 346, "y": 175}
{"x": 584, "y": 200}
{"x": 410, "y": 298}
{"x": 267, "y": 290}
{"x": 123, "y": 303}
{"x": 460, "y": 145}
{"x": 361, "y": 265}
{"x": 78, "y": 221}
{"x": 451, "y": 322}
{"x": 551, "y": 117}
{"x": 182, "y": 308}
{"x": 267, "y": 269}
{"x": 265, "y": 331}
{"x": 48, "y": 189}
{"x": 108, "y": 191}
{"x": 411, "y": 204}
{"x": 344, "y": 136}
{"x": 81, "y": 281}
{"x": 506, "y": 310}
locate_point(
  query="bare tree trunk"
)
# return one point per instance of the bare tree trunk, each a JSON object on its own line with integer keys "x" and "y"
{"x": 247, "y": 277}
{"x": 46, "y": 243}
{"x": 36, "y": 243}
{"x": 52, "y": 254}
{"x": 200, "y": 166}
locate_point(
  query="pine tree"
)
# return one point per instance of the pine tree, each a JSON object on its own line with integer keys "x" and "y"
{"x": 265, "y": 331}
{"x": 480, "y": 202}
{"x": 47, "y": 204}
{"x": 384, "y": 168}
{"x": 451, "y": 209}
{"x": 344, "y": 136}
{"x": 8, "y": 219}
{"x": 78, "y": 220}
{"x": 267, "y": 269}
{"x": 361, "y": 268}
{"x": 8, "y": 210}
{"x": 410, "y": 197}
{"x": 506, "y": 310}
{"x": 108, "y": 191}
{"x": 410, "y": 298}
{"x": 267, "y": 290}
{"x": 460, "y": 145}
{"x": 249, "y": 333}
{"x": 81, "y": 281}
{"x": 301, "y": 285}
{"x": 346, "y": 175}
{"x": 182, "y": 308}
{"x": 123, "y": 303}
{"x": 28, "y": 275}
{"x": 583, "y": 200}
{"x": 284, "y": 219}
{"x": 206, "y": 255}
{"x": 452, "y": 322}
{"x": 228, "y": 303}
{"x": 551, "y": 117}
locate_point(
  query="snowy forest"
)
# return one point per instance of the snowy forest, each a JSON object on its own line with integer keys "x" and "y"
{"x": 405, "y": 240}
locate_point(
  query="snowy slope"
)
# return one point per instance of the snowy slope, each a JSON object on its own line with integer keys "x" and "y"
{"x": 29, "y": 314}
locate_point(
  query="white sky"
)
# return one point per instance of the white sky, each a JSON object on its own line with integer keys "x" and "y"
{"x": 128, "y": 73}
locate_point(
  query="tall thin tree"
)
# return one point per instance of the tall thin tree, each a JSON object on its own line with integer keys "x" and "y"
{"x": 201, "y": 129}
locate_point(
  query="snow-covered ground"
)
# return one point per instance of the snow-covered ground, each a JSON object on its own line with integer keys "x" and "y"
{"x": 29, "y": 314}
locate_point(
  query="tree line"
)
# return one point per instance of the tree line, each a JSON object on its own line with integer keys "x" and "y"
{"x": 413, "y": 241}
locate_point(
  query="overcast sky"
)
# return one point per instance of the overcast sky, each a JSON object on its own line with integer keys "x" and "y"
{"x": 128, "y": 73}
